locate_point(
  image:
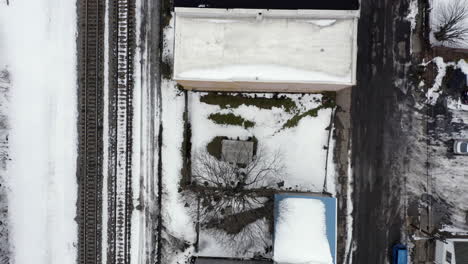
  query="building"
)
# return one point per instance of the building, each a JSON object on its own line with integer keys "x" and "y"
{"x": 242, "y": 46}
{"x": 451, "y": 251}
{"x": 305, "y": 229}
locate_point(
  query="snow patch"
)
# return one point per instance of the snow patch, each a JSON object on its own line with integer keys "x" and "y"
{"x": 434, "y": 92}
{"x": 413, "y": 12}
{"x": 217, "y": 243}
{"x": 454, "y": 230}
{"x": 463, "y": 66}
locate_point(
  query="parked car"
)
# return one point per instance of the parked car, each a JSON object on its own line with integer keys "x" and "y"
{"x": 460, "y": 146}
{"x": 399, "y": 254}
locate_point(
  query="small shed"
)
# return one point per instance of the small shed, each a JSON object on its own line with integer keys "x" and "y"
{"x": 237, "y": 151}
{"x": 305, "y": 229}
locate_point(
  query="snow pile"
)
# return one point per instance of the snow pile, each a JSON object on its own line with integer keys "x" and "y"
{"x": 302, "y": 147}
{"x": 322, "y": 22}
{"x": 413, "y": 12}
{"x": 300, "y": 232}
{"x": 261, "y": 73}
{"x": 37, "y": 40}
{"x": 434, "y": 92}
{"x": 463, "y": 66}
{"x": 455, "y": 103}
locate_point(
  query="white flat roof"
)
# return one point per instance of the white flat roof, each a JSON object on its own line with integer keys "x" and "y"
{"x": 265, "y": 46}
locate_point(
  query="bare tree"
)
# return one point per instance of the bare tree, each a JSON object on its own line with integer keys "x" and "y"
{"x": 234, "y": 200}
{"x": 230, "y": 187}
{"x": 450, "y": 22}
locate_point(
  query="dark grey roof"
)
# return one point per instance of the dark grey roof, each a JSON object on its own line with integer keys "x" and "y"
{"x": 202, "y": 260}
{"x": 461, "y": 252}
{"x": 272, "y": 4}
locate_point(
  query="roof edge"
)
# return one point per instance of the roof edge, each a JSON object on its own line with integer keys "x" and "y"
{"x": 268, "y": 13}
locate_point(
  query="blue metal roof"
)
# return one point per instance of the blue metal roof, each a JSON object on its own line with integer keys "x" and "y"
{"x": 330, "y": 216}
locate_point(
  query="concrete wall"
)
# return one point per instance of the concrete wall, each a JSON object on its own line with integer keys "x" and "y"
{"x": 227, "y": 49}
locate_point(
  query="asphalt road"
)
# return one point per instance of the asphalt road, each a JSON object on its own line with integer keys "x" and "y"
{"x": 377, "y": 137}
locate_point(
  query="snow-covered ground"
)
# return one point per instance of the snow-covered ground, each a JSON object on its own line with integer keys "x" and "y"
{"x": 302, "y": 146}
{"x": 177, "y": 225}
{"x": 4, "y": 158}
{"x": 137, "y": 238}
{"x": 216, "y": 243}
{"x": 412, "y": 13}
{"x": 448, "y": 183}
{"x": 300, "y": 131}
{"x": 449, "y": 174}
{"x": 176, "y": 220}
{"x": 38, "y": 45}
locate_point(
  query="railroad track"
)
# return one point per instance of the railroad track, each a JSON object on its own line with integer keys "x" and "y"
{"x": 122, "y": 46}
{"x": 91, "y": 100}
{"x": 90, "y": 105}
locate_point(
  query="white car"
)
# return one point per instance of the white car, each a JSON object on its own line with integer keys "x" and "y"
{"x": 460, "y": 146}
